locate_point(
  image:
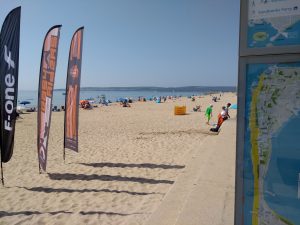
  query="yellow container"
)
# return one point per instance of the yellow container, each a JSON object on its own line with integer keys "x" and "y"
{"x": 179, "y": 110}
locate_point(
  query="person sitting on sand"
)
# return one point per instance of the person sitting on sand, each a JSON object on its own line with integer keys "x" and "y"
{"x": 87, "y": 105}
{"x": 30, "y": 109}
{"x": 227, "y": 116}
{"x": 125, "y": 104}
{"x": 208, "y": 113}
{"x": 197, "y": 108}
{"x": 18, "y": 115}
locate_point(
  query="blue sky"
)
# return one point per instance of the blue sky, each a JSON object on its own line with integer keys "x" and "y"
{"x": 165, "y": 43}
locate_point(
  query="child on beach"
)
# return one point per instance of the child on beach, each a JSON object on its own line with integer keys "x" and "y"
{"x": 208, "y": 113}
{"x": 227, "y": 116}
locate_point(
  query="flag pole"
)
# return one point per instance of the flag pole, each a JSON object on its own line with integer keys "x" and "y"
{"x": 2, "y": 177}
{"x": 64, "y": 155}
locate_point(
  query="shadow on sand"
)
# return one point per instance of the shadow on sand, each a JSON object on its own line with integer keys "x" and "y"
{"x": 83, "y": 177}
{"x": 133, "y": 165}
{"x": 65, "y": 190}
{"x": 175, "y": 132}
{"x": 30, "y": 213}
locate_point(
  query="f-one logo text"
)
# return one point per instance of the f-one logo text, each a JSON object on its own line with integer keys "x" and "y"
{"x": 9, "y": 81}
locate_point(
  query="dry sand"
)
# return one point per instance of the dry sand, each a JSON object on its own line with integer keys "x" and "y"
{"x": 128, "y": 159}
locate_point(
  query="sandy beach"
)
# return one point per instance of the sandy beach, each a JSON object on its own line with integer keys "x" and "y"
{"x": 129, "y": 160}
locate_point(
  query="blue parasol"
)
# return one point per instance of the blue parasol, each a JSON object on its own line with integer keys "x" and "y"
{"x": 25, "y": 102}
{"x": 234, "y": 106}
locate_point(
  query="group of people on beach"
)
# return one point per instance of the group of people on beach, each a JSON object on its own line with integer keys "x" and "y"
{"x": 222, "y": 116}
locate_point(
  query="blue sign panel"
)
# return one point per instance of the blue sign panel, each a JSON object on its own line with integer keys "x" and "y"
{"x": 273, "y": 23}
{"x": 271, "y": 190}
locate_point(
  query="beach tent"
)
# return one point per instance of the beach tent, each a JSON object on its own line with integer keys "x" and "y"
{"x": 234, "y": 106}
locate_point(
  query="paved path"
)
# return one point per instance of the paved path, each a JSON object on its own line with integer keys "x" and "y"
{"x": 204, "y": 193}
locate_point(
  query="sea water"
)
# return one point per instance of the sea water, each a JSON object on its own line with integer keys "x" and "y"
{"x": 282, "y": 178}
{"x": 113, "y": 96}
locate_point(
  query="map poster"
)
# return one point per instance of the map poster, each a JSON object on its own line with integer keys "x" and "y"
{"x": 273, "y": 23}
{"x": 271, "y": 149}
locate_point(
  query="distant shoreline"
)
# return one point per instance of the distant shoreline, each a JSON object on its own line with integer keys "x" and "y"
{"x": 204, "y": 89}
{"x": 115, "y": 93}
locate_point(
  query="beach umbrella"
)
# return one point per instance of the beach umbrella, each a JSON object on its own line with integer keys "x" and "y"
{"x": 25, "y": 102}
{"x": 121, "y": 100}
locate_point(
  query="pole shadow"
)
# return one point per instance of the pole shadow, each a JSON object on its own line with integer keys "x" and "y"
{"x": 30, "y": 213}
{"x": 66, "y": 190}
{"x": 134, "y": 165}
{"x": 84, "y": 177}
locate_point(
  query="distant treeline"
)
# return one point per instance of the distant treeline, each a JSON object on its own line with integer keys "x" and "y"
{"x": 204, "y": 89}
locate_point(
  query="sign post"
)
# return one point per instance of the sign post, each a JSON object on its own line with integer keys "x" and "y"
{"x": 268, "y": 153}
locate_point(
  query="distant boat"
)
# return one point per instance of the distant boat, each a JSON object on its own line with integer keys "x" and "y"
{"x": 64, "y": 93}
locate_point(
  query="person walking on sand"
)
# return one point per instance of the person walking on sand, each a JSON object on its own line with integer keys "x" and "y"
{"x": 221, "y": 119}
{"x": 227, "y": 116}
{"x": 208, "y": 113}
